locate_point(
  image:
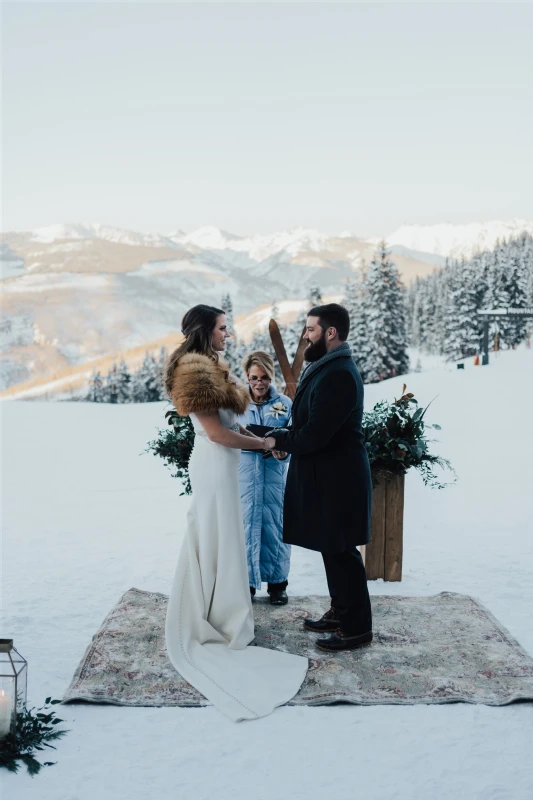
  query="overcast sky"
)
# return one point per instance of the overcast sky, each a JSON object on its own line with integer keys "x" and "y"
{"x": 256, "y": 117}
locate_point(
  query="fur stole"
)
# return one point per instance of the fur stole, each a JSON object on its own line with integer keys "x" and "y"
{"x": 201, "y": 385}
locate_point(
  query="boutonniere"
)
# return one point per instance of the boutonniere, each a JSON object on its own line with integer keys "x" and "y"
{"x": 278, "y": 409}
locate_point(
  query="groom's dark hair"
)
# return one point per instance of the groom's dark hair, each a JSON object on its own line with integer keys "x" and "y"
{"x": 332, "y": 315}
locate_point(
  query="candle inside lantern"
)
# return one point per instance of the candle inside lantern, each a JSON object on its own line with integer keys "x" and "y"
{"x": 5, "y": 714}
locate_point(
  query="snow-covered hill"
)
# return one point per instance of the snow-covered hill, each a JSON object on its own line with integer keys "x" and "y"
{"x": 457, "y": 241}
{"x": 95, "y": 230}
{"x": 103, "y": 518}
{"x": 260, "y": 247}
{"x": 443, "y": 239}
{"x": 92, "y": 289}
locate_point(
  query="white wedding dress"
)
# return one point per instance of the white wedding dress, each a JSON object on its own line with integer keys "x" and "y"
{"x": 210, "y": 619}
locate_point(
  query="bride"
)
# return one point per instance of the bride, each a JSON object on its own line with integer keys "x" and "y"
{"x": 210, "y": 621}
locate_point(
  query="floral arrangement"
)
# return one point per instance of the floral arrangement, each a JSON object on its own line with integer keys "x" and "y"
{"x": 395, "y": 440}
{"x": 278, "y": 409}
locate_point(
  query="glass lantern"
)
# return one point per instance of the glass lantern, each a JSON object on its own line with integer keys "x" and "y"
{"x": 13, "y": 685}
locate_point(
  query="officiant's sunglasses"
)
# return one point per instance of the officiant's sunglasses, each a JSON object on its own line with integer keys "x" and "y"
{"x": 253, "y": 379}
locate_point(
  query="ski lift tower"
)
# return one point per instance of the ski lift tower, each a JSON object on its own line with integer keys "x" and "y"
{"x": 489, "y": 313}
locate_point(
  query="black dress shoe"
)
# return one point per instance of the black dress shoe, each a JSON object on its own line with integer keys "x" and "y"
{"x": 324, "y": 624}
{"x": 340, "y": 641}
{"x": 279, "y": 598}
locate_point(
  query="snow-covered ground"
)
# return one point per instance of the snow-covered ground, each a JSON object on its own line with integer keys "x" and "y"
{"x": 86, "y": 517}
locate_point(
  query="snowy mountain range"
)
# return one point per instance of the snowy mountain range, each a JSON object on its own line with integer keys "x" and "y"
{"x": 457, "y": 241}
{"x": 445, "y": 239}
{"x": 78, "y": 292}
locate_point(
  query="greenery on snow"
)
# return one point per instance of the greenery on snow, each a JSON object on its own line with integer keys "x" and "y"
{"x": 35, "y": 730}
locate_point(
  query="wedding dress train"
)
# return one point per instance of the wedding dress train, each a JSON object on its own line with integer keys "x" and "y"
{"x": 210, "y": 620}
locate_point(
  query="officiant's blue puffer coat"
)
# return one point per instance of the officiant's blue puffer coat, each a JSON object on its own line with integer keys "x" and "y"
{"x": 262, "y": 484}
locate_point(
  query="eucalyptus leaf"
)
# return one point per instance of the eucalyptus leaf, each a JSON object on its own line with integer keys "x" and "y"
{"x": 32, "y": 734}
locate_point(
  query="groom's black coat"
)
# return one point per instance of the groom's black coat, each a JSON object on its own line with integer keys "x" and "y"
{"x": 328, "y": 498}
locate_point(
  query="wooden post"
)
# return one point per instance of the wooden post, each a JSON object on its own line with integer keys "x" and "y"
{"x": 384, "y": 554}
{"x": 374, "y": 553}
{"x": 394, "y": 529}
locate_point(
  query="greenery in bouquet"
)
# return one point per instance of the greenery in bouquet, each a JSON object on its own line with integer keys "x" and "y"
{"x": 174, "y": 445}
{"x": 35, "y": 730}
{"x": 395, "y": 439}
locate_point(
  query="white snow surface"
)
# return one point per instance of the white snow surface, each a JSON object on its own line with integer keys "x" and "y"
{"x": 86, "y": 517}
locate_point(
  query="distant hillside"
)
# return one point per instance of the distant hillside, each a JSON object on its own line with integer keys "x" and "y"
{"x": 72, "y": 382}
{"x": 75, "y": 293}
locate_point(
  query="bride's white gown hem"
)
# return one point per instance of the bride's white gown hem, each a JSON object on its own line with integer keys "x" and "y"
{"x": 210, "y": 625}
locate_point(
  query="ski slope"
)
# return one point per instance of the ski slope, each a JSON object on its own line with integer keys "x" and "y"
{"x": 87, "y": 517}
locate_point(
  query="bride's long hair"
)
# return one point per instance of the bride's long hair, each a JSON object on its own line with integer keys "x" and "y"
{"x": 197, "y": 326}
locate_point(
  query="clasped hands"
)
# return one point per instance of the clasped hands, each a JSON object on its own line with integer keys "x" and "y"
{"x": 270, "y": 444}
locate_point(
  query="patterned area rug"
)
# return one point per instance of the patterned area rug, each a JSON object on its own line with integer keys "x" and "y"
{"x": 442, "y": 649}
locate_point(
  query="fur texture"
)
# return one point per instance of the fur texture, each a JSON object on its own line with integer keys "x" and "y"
{"x": 201, "y": 385}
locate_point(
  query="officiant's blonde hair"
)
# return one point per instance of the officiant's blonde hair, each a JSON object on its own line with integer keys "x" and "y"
{"x": 260, "y": 359}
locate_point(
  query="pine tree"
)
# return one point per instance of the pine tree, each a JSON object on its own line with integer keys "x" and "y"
{"x": 356, "y": 303}
{"x": 123, "y": 383}
{"x": 314, "y": 295}
{"x": 96, "y": 389}
{"x": 515, "y": 281}
{"x": 110, "y": 387}
{"x": 146, "y": 384}
{"x": 233, "y": 353}
{"x": 386, "y": 323}
{"x": 162, "y": 370}
{"x": 496, "y": 295}
{"x": 443, "y": 307}
{"x": 461, "y": 322}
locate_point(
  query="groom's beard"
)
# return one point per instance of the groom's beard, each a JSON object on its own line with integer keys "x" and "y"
{"x": 316, "y": 350}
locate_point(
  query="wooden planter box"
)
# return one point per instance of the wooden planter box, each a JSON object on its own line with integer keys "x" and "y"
{"x": 383, "y": 555}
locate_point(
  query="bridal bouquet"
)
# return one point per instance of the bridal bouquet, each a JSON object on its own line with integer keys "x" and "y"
{"x": 174, "y": 446}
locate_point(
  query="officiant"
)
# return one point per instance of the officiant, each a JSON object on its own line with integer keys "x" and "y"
{"x": 262, "y": 483}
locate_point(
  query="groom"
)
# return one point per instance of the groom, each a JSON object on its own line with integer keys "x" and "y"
{"x": 329, "y": 488}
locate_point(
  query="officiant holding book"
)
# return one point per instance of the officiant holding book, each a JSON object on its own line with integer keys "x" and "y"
{"x": 262, "y": 482}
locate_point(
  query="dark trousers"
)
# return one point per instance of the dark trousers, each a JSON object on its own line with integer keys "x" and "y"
{"x": 272, "y": 587}
{"x": 349, "y": 591}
